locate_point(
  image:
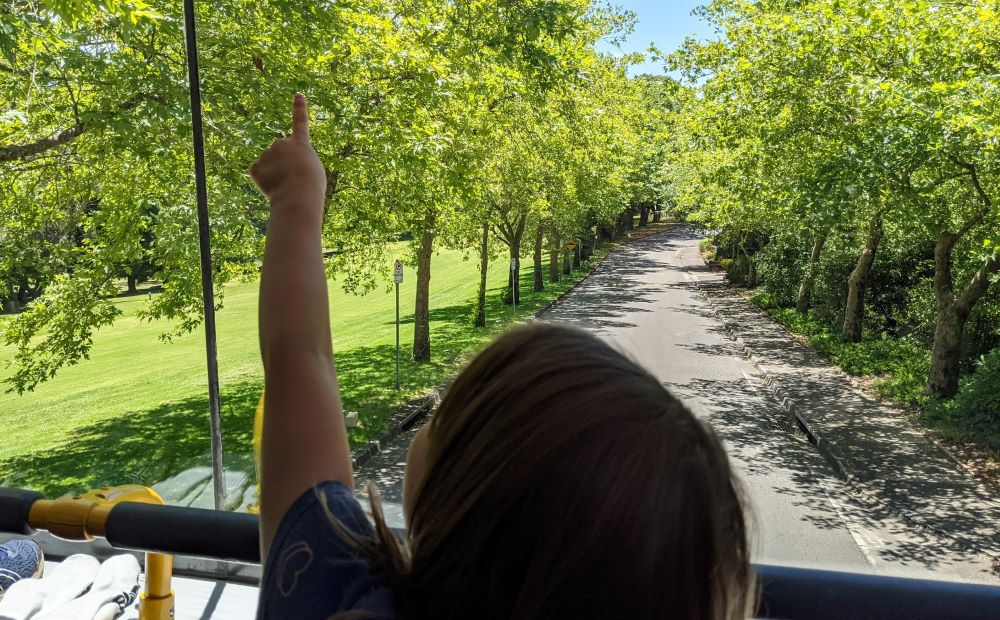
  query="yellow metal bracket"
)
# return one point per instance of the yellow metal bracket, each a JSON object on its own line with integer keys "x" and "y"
{"x": 83, "y": 517}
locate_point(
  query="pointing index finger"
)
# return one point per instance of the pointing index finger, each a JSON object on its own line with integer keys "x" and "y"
{"x": 300, "y": 118}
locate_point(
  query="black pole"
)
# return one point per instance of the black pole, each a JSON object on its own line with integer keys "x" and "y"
{"x": 205, "y": 244}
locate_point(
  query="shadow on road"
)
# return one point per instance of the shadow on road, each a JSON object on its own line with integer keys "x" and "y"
{"x": 882, "y": 448}
{"x": 621, "y": 287}
{"x": 756, "y": 428}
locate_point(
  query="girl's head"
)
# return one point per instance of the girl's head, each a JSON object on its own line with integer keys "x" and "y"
{"x": 559, "y": 479}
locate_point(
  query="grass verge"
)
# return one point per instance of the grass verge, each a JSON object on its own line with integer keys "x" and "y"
{"x": 136, "y": 411}
{"x": 898, "y": 367}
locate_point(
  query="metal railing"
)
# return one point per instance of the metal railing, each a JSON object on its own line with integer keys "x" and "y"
{"x": 785, "y": 592}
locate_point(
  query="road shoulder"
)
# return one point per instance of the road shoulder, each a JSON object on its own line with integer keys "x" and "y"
{"x": 883, "y": 456}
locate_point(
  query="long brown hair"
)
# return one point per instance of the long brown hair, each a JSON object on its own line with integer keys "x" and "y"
{"x": 564, "y": 481}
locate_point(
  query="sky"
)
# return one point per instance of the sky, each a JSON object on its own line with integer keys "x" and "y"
{"x": 663, "y": 22}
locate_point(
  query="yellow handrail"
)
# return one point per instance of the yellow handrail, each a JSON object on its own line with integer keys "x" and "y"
{"x": 84, "y": 517}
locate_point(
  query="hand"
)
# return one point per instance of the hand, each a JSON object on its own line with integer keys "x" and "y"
{"x": 289, "y": 172}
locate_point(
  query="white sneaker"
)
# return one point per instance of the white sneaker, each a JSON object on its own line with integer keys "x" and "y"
{"x": 62, "y": 583}
{"x": 117, "y": 583}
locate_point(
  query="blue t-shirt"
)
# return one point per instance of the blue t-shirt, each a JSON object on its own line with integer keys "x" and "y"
{"x": 311, "y": 572}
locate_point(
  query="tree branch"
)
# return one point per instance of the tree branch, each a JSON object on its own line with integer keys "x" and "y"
{"x": 979, "y": 285}
{"x": 505, "y": 228}
{"x": 20, "y": 152}
{"x": 520, "y": 227}
{"x": 981, "y": 214}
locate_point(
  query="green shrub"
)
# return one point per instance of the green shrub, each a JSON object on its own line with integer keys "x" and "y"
{"x": 921, "y": 311}
{"x": 899, "y": 267}
{"x": 800, "y": 324}
{"x": 902, "y": 364}
{"x": 830, "y": 289}
{"x": 737, "y": 269}
{"x": 707, "y": 248}
{"x": 731, "y": 243}
{"x": 878, "y": 356}
{"x": 506, "y": 295}
{"x": 764, "y": 299}
{"x": 478, "y": 315}
{"x": 982, "y": 331}
{"x": 974, "y": 414}
{"x": 780, "y": 267}
{"x": 907, "y": 381}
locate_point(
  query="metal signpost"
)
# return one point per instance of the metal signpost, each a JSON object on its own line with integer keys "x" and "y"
{"x": 397, "y": 275}
{"x": 569, "y": 247}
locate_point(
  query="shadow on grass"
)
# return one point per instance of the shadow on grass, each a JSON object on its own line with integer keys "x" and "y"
{"x": 145, "y": 447}
{"x": 367, "y": 374}
{"x": 498, "y": 312}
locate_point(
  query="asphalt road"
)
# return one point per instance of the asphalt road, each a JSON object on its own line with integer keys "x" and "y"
{"x": 644, "y": 302}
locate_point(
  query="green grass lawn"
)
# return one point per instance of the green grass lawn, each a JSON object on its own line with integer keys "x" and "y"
{"x": 137, "y": 410}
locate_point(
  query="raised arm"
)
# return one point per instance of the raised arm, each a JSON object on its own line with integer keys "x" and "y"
{"x": 305, "y": 439}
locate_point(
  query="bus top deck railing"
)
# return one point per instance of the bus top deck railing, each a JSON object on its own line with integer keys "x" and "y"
{"x": 785, "y": 592}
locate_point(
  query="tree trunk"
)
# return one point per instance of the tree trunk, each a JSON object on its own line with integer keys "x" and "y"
{"x": 514, "y": 275}
{"x": 953, "y": 310}
{"x": 656, "y": 215}
{"x": 421, "y": 312}
{"x": 952, "y": 313}
{"x": 630, "y": 219}
{"x": 806, "y": 286}
{"x": 512, "y": 232}
{"x": 479, "y": 317}
{"x": 854, "y": 312}
{"x": 554, "y": 260}
{"x": 567, "y": 266}
{"x": 132, "y": 288}
{"x": 537, "y": 259}
{"x": 942, "y": 381}
{"x": 643, "y": 216}
{"x": 751, "y": 268}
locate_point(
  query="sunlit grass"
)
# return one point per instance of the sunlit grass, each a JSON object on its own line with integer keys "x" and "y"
{"x": 137, "y": 410}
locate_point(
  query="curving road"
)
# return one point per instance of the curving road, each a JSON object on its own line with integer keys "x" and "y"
{"x": 644, "y": 301}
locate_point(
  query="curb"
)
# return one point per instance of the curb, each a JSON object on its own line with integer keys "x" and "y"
{"x": 414, "y": 410}
{"x": 795, "y": 417}
{"x": 572, "y": 288}
{"x": 903, "y": 410}
{"x": 841, "y": 465}
{"x": 401, "y": 420}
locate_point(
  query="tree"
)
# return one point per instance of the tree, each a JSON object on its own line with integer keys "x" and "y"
{"x": 845, "y": 116}
{"x": 410, "y": 98}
